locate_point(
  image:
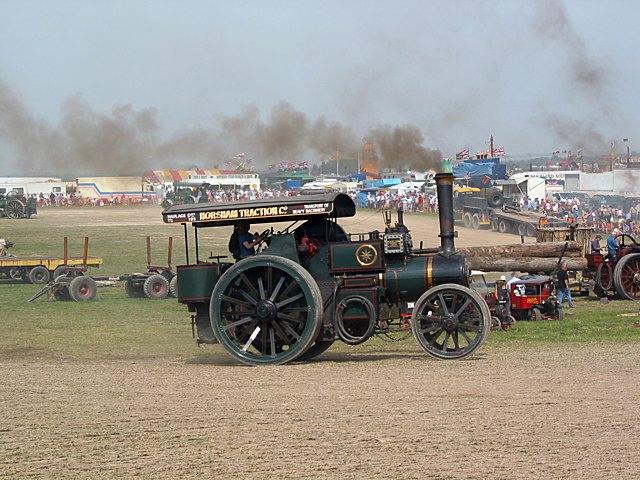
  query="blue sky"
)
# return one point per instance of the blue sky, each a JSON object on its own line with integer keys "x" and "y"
{"x": 458, "y": 70}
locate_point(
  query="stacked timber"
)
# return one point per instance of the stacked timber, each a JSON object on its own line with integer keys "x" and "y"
{"x": 525, "y": 257}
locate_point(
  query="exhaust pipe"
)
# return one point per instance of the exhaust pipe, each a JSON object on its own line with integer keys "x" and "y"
{"x": 444, "y": 186}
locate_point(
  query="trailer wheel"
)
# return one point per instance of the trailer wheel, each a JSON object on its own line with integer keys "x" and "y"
{"x": 61, "y": 292}
{"x": 522, "y": 229}
{"x": 82, "y": 289}
{"x": 466, "y": 220}
{"x": 16, "y": 273}
{"x": 450, "y": 321}
{"x": 60, "y": 271}
{"x": 173, "y": 286}
{"x": 495, "y": 199}
{"x": 494, "y": 225}
{"x": 503, "y": 227}
{"x": 156, "y": 287}
{"x": 475, "y": 221}
{"x": 39, "y": 275}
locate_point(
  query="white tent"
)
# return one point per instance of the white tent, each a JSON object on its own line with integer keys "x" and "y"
{"x": 407, "y": 187}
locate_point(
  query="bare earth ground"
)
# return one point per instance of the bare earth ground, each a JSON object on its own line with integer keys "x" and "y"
{"x": 546, "y": 413}
{"x": 423, "y": 227}
{"x": 557, "y": 411}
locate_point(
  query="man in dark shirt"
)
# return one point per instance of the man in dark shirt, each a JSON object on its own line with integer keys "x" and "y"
{"x": 246, "y": 241}
{"x": 595, "y": 244}
{"x": 563, "y": 285}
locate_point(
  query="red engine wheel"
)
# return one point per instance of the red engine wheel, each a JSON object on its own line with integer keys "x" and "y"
{"x": 627, "y": 276}
{"x": 604, "y": 276}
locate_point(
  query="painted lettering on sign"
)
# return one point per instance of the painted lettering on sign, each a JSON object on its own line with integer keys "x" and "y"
{"x": 249, "y": 213}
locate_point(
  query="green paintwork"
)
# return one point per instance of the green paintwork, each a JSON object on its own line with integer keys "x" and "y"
{"x": 356, "y": 311}
{"x": 283, "y": 245}
{"x": 343, "y": 256}
{"x": 196, "y": 282}
{"x": 406, "y": 280}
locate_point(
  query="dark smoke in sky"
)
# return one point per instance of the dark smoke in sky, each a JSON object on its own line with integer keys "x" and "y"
{"x": 403, "y": 146}
{"x": 587, "y": 80}
{"x": 128, "y": 141}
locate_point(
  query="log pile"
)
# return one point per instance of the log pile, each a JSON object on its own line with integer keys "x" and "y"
{"x": 525, "y": 257}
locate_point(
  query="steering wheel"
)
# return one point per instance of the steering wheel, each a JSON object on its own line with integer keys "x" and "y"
{"x": 265, "y": 233}
{"x": 621, "y": 240}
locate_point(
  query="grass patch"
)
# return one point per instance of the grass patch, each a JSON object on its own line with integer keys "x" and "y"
{"x": 115, "y": 326}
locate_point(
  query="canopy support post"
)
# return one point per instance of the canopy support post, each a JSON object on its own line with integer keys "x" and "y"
{"x": 195, "y": 230}
{"x": 186, "y": 242}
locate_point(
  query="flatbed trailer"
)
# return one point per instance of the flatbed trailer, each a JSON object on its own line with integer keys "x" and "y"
{"x": 40, "y": 269}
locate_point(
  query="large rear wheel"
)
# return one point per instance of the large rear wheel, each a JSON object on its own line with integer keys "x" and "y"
{"x": 626, "y": 276}
{"x": 450, "y": 321}
{"x": 266, "y": 310}
{"x": 15, "y": 209}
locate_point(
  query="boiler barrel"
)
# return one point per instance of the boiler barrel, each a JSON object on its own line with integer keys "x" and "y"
{"x": 408, "y": 280}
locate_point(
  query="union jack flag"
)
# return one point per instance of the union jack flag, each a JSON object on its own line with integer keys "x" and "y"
{"x": 462, "y": 155}
{"x": 499, "y": 152}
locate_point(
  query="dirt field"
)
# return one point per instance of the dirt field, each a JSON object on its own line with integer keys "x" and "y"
{"x": 503, "y": 414}
{"x": 116, "y": 389}
{"x": 423, "y": 227}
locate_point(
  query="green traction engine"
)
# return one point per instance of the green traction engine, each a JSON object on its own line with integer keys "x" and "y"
{"x": 312, "y": 283}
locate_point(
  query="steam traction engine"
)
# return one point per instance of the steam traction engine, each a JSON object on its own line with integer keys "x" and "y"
{"x": 313, "y": 284}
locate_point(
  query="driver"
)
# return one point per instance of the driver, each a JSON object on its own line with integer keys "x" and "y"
{"x": 247, "y": 241}
{"x": 612, "y": 246}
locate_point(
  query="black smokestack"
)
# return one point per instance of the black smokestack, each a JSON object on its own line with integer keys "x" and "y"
{"x": 444, "y": 185}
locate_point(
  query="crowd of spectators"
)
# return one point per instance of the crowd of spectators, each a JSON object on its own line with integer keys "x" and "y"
{"x": 73, "y": 200}
{"x": 598, "y": 215}
{"x": 409, "y": 201}
{"x": 595, "y": 214}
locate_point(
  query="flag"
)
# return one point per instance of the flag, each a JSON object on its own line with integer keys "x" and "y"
{"x": 499, "y": 152}
{"x": 463, "y": 154}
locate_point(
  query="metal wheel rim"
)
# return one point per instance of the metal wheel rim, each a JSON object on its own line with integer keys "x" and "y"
{"x": 450, "y": 321}
{"x": 604, "y": 270}
{"x": 15, "y": 273}
{"x": 263, "y": 312}
{"x": 627, "y": 276}
{"x": 15, "y": 210}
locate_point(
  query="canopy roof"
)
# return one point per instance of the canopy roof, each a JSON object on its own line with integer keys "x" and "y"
{"x": 276, "y": 209}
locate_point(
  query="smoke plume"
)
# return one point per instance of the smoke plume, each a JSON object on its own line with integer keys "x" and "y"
{"x": 128, "y": 141}
{"x": 402, "y": 147}
{"x": 585, "y": 77}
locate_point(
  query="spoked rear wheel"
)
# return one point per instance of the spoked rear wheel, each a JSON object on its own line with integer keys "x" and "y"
{"x": 627, "y": 276}
{"x": 15, "y": 209}
{"x": 450, "y": 321}
{"x": 266, "y": 310}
